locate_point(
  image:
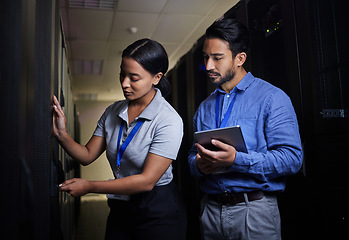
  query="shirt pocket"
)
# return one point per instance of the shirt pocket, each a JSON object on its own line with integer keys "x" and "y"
{"x": 251, "y": 131}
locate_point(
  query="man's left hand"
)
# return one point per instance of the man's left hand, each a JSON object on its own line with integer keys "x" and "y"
{"x": 209, "y": 161}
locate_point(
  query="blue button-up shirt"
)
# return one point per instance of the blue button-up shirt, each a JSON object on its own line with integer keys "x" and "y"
{"x": 270, "y": 129}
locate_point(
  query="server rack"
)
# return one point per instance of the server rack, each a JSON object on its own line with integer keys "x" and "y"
{"x": 31, "y": 163}
{"x": 300, "y": 47}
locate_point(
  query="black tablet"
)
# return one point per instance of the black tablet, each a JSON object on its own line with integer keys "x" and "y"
{"x": 229, "y": 135}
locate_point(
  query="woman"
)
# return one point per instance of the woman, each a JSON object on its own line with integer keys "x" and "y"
{"x": 141, "y": 135}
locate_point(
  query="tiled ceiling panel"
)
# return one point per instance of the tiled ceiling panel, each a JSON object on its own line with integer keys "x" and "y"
{"x": 85, "y": 49}
{"x": 174, "y": 28}
{"x": 192, "y": 7}
{"x": 89, "y": 24}
{"x": 100, "y": 35}
{"x": 146, "y": 6}
{"x": 144, "y": 22}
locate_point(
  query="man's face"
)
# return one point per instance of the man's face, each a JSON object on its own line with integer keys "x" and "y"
{"x": 219, "y": 61}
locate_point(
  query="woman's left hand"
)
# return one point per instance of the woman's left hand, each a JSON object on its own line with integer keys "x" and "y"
{"x": 58, "y": 119}
{"x": 76, "y": 187}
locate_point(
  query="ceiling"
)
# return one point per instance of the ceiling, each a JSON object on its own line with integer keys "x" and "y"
{"x": 97, "y": 31}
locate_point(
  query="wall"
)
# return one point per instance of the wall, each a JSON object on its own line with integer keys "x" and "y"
{"x": 89, "y": 113}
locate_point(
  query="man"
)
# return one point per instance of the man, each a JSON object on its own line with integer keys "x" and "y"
{"x": 240, "y": 188}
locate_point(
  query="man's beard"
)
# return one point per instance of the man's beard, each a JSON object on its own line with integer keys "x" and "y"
{"x": 227, "y": 77}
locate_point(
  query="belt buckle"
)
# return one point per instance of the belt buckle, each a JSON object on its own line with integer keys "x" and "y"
{"x": 227, "y": 199}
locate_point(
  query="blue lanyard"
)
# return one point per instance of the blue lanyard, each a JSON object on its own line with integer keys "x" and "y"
{"x": 129, "y": 138}
{"x": 227, "y": 114}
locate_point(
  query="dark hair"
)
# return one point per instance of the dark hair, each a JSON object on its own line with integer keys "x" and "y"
{"x": 152, "y": 56}
{"x": 232, "y": 31}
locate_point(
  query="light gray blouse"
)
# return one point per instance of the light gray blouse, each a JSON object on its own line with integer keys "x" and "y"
{"x": 160, "y": 134}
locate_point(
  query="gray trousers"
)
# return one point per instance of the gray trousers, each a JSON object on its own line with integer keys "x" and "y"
{"x": 259, "y": 219}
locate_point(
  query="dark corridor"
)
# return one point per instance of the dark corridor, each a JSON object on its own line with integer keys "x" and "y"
{"x": 297, "y": 45}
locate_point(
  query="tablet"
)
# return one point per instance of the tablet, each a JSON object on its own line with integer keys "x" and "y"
{"x": 229, "y": 135}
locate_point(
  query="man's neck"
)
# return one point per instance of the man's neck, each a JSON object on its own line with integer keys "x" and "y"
{"x": 228, "y": 86}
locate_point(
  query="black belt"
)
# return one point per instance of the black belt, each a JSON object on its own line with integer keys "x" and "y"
{"x": 235, "y": 198}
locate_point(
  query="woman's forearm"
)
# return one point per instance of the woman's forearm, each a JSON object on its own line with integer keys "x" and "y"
{"x": 83, "y": 154}
{"x": 124, "y": 186}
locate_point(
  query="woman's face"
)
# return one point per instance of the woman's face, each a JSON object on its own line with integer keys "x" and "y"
{"x": 136, "y": 82}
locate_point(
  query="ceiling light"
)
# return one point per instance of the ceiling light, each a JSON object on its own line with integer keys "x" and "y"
{"x": 88, "y": 67}
{"x": 133, "y": 30}
{"x": 92, "y": 4}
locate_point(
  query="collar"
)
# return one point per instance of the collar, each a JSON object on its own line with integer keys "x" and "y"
{"x": 152, "y": 110}
{"x": 245, "y": 82}
{"x": 148, "y": 113}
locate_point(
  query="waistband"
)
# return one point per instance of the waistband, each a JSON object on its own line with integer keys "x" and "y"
{"x": 136, "y": 198}
{"x": 235, "y": 198}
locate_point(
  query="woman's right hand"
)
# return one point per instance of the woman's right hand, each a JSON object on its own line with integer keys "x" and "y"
{"x": 58, "y": 119}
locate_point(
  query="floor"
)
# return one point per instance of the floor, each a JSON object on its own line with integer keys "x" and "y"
{"x": 92, "y": 218}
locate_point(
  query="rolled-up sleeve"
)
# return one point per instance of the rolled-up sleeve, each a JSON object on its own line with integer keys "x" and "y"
{"x": 168, "y": 137}
{"x": 283, "y": 154}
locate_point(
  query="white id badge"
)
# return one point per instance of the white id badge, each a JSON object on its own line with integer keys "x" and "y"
{"x": 119, "y": 197}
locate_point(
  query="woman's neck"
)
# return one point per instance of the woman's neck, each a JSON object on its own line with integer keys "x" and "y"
{"x": 137, "y": 106}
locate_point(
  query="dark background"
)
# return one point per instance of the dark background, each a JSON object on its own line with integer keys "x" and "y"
{"x": 297, "y": 45}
